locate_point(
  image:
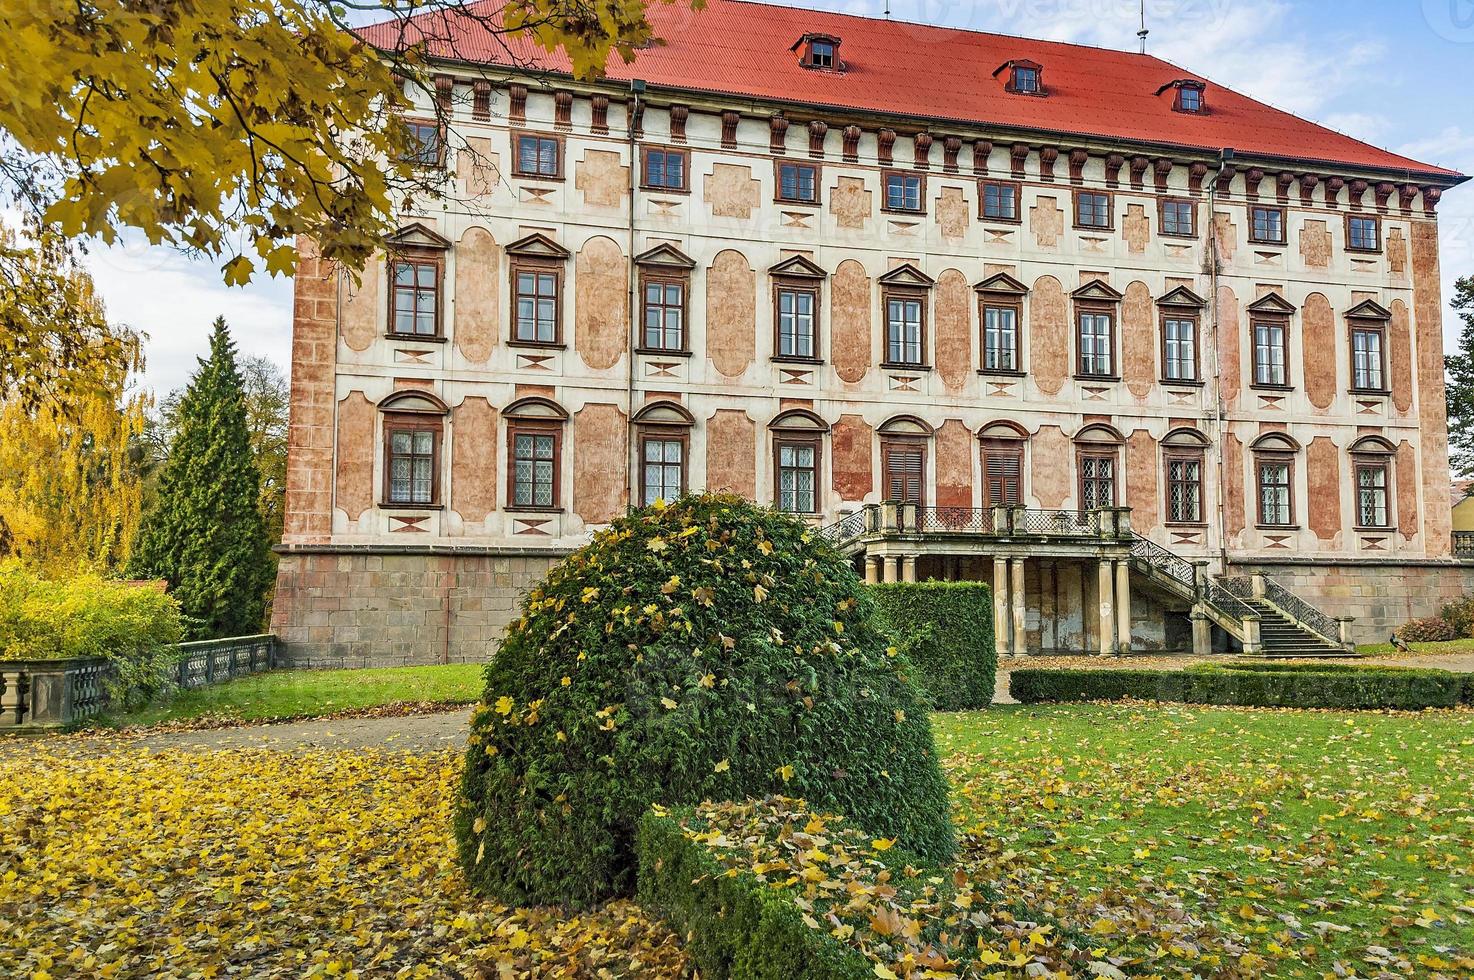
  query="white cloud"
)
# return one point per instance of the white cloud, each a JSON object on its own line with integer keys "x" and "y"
{"x": 174, "y": 299}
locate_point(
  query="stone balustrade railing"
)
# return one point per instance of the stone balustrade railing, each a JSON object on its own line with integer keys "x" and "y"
{"x": 40, "y": 695}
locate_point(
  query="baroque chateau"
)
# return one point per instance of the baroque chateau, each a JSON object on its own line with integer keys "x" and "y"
{"x": 1162, "y": 363}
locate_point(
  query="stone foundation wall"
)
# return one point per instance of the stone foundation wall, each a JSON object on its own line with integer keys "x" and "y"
{"x": 363, "y": 609}
{"x": 1381, "y": 597}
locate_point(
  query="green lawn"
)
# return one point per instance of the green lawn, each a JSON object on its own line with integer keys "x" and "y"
{"x": 1465, "y": 645}
{"x": 306, "y": 693}
{"x": 1283, "y": 843}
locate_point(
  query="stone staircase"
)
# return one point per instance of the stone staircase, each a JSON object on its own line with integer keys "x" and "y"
{"x": 1281, "y": 636}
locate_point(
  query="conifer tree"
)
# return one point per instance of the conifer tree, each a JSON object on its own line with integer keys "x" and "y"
{"x": 204, "y": 533}
{"x": 1459, "y": 369}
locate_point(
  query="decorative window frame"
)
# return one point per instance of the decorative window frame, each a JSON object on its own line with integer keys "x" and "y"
{"x": 1275, "y": 448}
{"x": 998, "y": 438}
{"x": 906, "y": 282}
{"x": 1162, "y": 203}
{"x": 685, "y": 154}
{"x": 1181, "y": 303}
{"x": 799, "y": 427}
{"x": 1284, "y": 214}
{"x": 1110, "y": 199}
{"x": 1374, "y": 452}
{"x": 1185, "y": 444}
{"x": 535, "y": 416}
{"x": 1001, "y": 291}
{"x": 798, "y": 274}
{"x": 1018, "y": 201}
{"x": 665, "y": 264}
{"x": 536, "y": 253}
{"x": 885, "y": 180}
{"x": 1376, "y": 220}
{"x": 518, "y": 135}
{"x": 779, "y": 163}
{"x": 1369, "y": 315}
{"x": 1097, "y": 297}
{"x": 664, "y": 421}
{"x": 412, "y": 410}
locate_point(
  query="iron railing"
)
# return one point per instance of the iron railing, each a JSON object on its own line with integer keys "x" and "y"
{"x": 1219, "y": 594}
{"x": 1057, "y": 523}
{"x": 1463, "y": 544}
{"x": 847, "y": 528}
{"x": 1302, "y": 612}
{"x": 955, "y": 520}
{"x": 1169, "y": 563}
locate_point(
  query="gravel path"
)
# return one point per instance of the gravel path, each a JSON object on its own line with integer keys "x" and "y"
{"x": 447, "y": 729}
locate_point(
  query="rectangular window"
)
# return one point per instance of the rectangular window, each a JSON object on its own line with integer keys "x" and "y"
{"x": 537, "y": 303}
{"x": 796, "y": 314}
{"x": 798, "y": 468}
{"x": 905, "y": 329}
{"x": 411, "y": 464}
{"x": 534, "y": 468}
{"x": 1179, "y": 218}
{"x": 538, "y": 156}
{"x": 1097, "y": 482}
{"x": 1000, "y": 338}
{"x": 665, "y": 314}
{"x": 1267, "y": 225}
{"x": 1092, "y": 210}
{"x": 1185, "y": 490}
{"x": 1363, "y": 234}
{"x": 1003, "y": 468}
{"x": 798, "y": 183}
{"x": 1000, "y": 201}
{"x": 1371, "y": 495}
{"x": 663, "y": 476}
{"x": 903, "y": 192}
{"x": 425, "y": 146}
{"x": 1367, "y": 358}
{"x": 903, "y": 466}
{"x": 1275, "y": 508}
{"x": 821, "y": 54}
{"x": 665, "y": 169}
{"x": 1269, "y": 353}
{"x": 1179, "y": 348}
{"x": 1189, "y": 99}
{"x": 1026, "y": 80}
{"x": 415, "y": 311}
{"x": 1097, "y": 344}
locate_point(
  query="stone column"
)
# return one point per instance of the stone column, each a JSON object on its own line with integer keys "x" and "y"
{"x": 1002, "y": 634}
{"x": 908, "y": 568}
{"x": 1202, "y": 633}
{"x": 1253, "y": 645}
{"x": 1020, "y": 610}
{"x": 1123, "y": 607}
{"x": 1105, "y": 590}
{"x": 872, "y": 569}
{"x": 890, "y": 569}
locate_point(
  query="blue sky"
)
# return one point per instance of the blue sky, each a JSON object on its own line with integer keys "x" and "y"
{"x": 1396, "y": 73}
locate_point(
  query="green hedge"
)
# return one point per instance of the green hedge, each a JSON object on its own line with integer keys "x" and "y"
{"x": 733, "y": 925}
{"x": 134, "y": 625}
{"x": 1254, "y": 685}
{"x": 946, "y": 629}
{"x": 774, "y": 889}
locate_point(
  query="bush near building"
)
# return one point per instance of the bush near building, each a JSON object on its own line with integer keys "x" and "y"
{"x": 1431, "y": 630}
{"x": 1259, "y": 685}
{"x": 706, "y": 650}
{"x": 134, "y": 625}
{"x": 946, "y": 628}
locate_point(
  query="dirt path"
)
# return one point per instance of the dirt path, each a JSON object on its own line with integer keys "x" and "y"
{"x": 409, "y": 733}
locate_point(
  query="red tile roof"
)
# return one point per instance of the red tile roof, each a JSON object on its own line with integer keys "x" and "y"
{"x": 734, "y": 47}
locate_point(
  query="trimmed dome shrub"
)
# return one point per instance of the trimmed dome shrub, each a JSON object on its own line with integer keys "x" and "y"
{"x": 706, "y": 650}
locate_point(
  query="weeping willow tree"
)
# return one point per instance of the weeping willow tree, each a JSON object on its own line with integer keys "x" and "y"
{"x": 70, "y": 486}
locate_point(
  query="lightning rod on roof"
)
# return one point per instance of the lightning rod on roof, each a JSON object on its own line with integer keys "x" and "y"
{"x": 1143, "y": 32}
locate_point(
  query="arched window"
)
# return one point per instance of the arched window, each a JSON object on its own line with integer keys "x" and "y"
{"x": 1274, "y": 478}
{"x": 903, "y": 448}
{"x": 663, "y": 432}
{"x": 1371, "y": 464}
{"x": 534, "y": 454}
{"x": 798, "y": 455}
{"x": 1001, "y": 445}
{"x": 1183, "y": 451}
{"x": 414, "y": 432}
{"x": 1098, "y": 463}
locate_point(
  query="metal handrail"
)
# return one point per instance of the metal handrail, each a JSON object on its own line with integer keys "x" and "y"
{"x": 955, "y": 520}
{"x": 847, "y": 528}
{"x": 1169, "y": 563}
{"x": 1214, "y": 592}
{"x": 1302, "y": 612}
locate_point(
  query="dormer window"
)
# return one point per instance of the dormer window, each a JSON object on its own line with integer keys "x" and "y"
{"x": 820, "y": 51}
{"x": 1187, "y": 95}
{"x": 1022, "y": 77}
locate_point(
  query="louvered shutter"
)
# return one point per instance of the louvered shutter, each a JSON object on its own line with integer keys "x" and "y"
{"x": 1003, "y": 477}
{"x": 903, "y": 469}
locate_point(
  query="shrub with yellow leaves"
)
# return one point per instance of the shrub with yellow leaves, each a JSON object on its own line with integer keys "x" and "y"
{"x": 709, "y": 649}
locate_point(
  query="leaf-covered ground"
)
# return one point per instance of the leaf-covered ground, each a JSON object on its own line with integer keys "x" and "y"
{"x": 1229, "y": 842}
{"x": 1180, "y": 840}
{"x": 115, "y": 862}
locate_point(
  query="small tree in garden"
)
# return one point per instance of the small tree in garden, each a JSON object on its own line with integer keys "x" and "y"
{"x": 709, "y": 649}
{"x": 1459, "y": 371}
{"x": 204, "y": 533}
